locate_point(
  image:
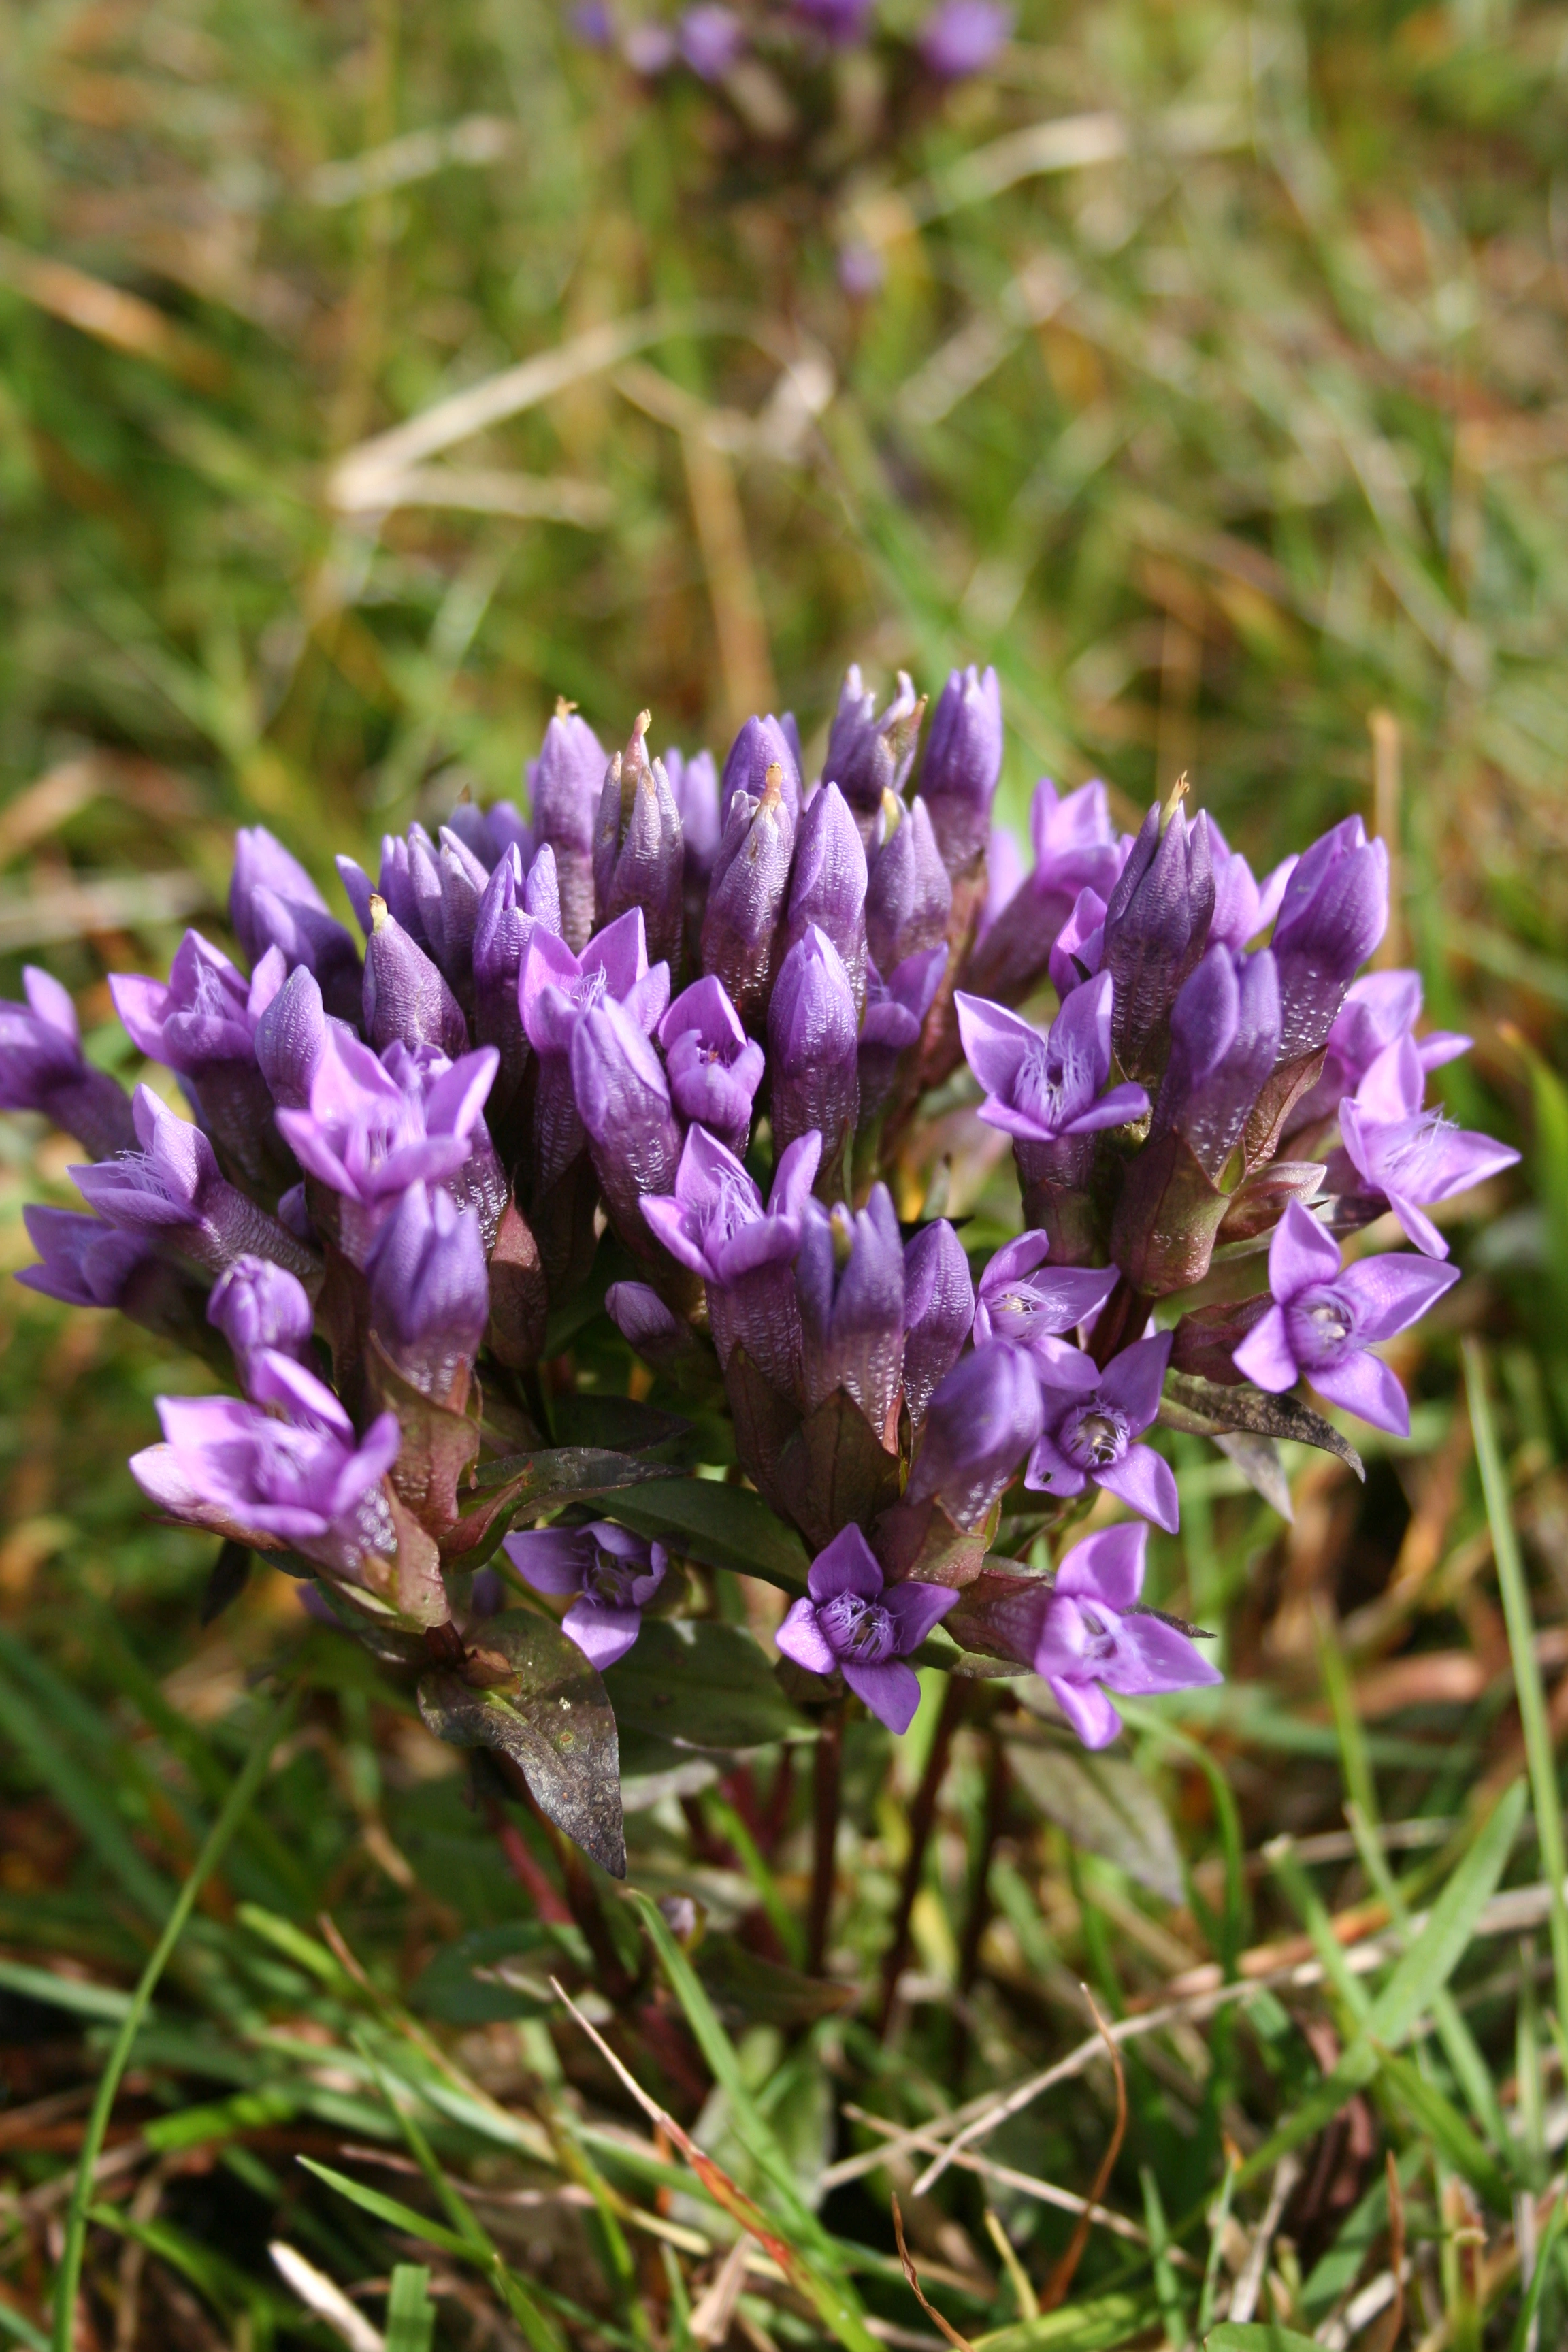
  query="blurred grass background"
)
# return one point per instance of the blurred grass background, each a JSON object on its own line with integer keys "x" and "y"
{"x": 1229, "y": 418}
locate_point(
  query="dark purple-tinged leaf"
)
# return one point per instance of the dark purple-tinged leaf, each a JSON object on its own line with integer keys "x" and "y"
{"x": 437, "y": 1444}
{"x": 615, "y": 1423}
{"x": 764, "y": 1424}
{"x": 1258, "y": 1203}
{"x": 230, "y": 1575}
{"x": 919, "y": 1539}
{"x": 1257, "y": 1459}
{"x": 528, "y": 1691}
{"x": 1205, "y": 1408}
{"x": 835, "y": 1471}
{"x": 520, "y": 1301}
{"x": 722, "y": 1526}
{"x": 529, "y": 1486}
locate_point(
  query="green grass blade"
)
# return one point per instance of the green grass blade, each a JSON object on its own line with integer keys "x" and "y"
{"x": 1538, "y": 2277}
{"x": 398, "y": 2216}
{"x": 410, "y": 2314}
{"x": 1445, "y": 2129}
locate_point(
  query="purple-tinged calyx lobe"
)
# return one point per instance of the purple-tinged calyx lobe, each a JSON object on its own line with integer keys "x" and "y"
{"x": 1038, "y": 1088}
{"x": 811, "y": 1051}
{"x": 761, "y": 745}
{"x": 273, "y": 902}
{"x": 407, "y": 998}
{"x": 909, "y": 897}
{"x": 448, "y": 883}
{"x": 637, "y": 849}
{"x": 851, "y": 1621}
{"x": 1407, "y": 1155}
{"x": 1379, "y": 1009}
{"x": 611, "y": 1574}
{"x": 1326, "y": 1317}
{"x": 1094, "y": 1638}
{"x": 291, "y": 1035}
{"x": 828, "y": 881}
{"x": 1157, "y": 921}
{"x": 939, "y": 1309}
{"x": 867, "y": 755}
{"x": 43, "y": 1068}
{"x": 1078, "y": 951}
{"x": 714, "y": 1067}
{"x": 748, "y": 895}
{"x": 1092, "y": 1421}
{"x": 1334, "y": 913}
{"x": 568, "y": 778}
{"x": 962, "y": 765}
{"x": 622, "y": 1101}
{"x": 429, "y": 1291}
{"x": 1026, "y": 1302}
{"x": 172, "y": 1192}
{"x": 981, "y": 1419}
{"x": 892, "y": 1021}
{"x": 849, "y": 1280}
{"x": 261, "y": 1307}
{"x": 284, "y": 1471}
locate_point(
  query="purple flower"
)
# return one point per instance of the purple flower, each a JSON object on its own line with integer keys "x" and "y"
{"x": 1079, "y": 949}
{"x": 761, "y": 745}
{"x": 1042, "y": 1088}
{"x": 291, "y": 1035}
{"x": 1094, "y": 1637}
{"x": 713, "y": 39}
{"x": 1225, "y": 1037}
{"x": 505, "y": 924}
{"x": 293, "y": 1476}
{"x": 841, "y": 23}
{"x": 828, "y": 886}
{"x": 555, "y": 989}
{"x": 894, "y": 1016}
{"x": 963, "y": 748}
{"x": 648, "y": 47}
{"x": 637, "y": 852}
{"x": 1379, "y": 1009}
{"x": 448, "y": 883}
{"x": 622, "y": 1101}
{"x": 273, "y": 902}
{"x": 367, "y": 1137}
{"x": 260, "y": 1308}
{"x": 662, "y": 1339}
{"x": 406, "y": 1000}
{"x": 1242, "y": 907}
{"x": 964, "y": 37}
{"x": 85, "y": 1263}
{"x": 593, "y": 24}
{"x": 850, "y": 1621}
{"x": 43, "y": 1068}
{"x": 849, "y": 1281}
{"x": 480, "y": 1183}
{"x": 172, "y": 1191}
{"x": 1091, "y": 1421}
{"x": 714, "y": 1067}
{"x": 909, "y": 897}
{"x": 1026, "y": 1302}
{"x": 1075, "y": 848}
{"x": 748, "y": 893}
{"x": 1334, "y": 913}
{"x": 695, "y": 784}
{"x": 429, "y": 1291}
{"x": 567, "y": 780}
{"x": 715, "y": 1223}
{"x": 203, "y": 1023}
{"x": 1326, "y": 1316}
{"x": 981, "y": 1419}
{"x": 812, "y": 1047}
{"x": 862, "y": 268}
{"x": 1156, "y": 927}
{"x": 939, "y": 1308}
{"x": 1408, "y": 1156}
{"x": 491, "y": 832}
{"x": 867, "y": 756}
{"x": 613, "y": 1573}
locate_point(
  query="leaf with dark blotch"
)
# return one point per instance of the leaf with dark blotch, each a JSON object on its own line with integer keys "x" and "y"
{"x": 836, "y": 1471}
{"x": 615, "y": 1423}
{"x": 701, "y": 1685}
{"x": 747, "y": 1990}
{"x": 230, "y": 1574}
{"x": 1257, "y": 1459}
{"x": 722, "y": 1526}
{"x": 1103, "y": 1802}
{"x": 552, "y": 1715}
{"x": 1205, "y": 1407}
{"x": 529, "y": 1484}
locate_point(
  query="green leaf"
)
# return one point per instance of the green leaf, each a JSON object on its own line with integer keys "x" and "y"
{"x": 701, "y": 1684}
{"x": 1098, "y": 2325}
{"x": 550, "y": 1713}
{"x": 722, "y": 1527}
{"x": 1106, "y": 1807}
{"x": 448, "y": 1989}
{"x": 529, "y": 1485}
{"x": 614, "y": 1423}
{"x": 1257, "y": 2336}
{"x": 835, "y": 1471}
{"x": 22, "y": 2331}
{"x": 410, "y": 2314}
{"x": 397, "y": 2215}
{"x": 64, "y": 1992}
{"x": 747, "y": 1990}
{"x": 1445, "y": 2129}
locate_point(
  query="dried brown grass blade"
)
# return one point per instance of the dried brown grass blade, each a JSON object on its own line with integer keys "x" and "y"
{"x": 960, "y": 2343}
{"x": 1062, "y": 2278}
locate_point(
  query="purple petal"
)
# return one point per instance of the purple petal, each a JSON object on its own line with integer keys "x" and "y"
{"x": 1082, "y": 1032}
{"x": 1418, "y": 1226}
{"x": 1464, "y": 1158}
{"x": 1391, "y": 1293}
{"x": 620, "y": 952}
{"x": 552, "y": 1559}
{"x": 1068, "y": 1373}
{"x": 1132, "y": 1380}
{"x": 1107, "y": 1567}
{"x": 1087, "y": 1708}
{"x": 1364, "y": 1385}
{"x": 1393, "y": 1085}
{"x": 602, "y": 1632}
{"x": 1300, "y": 1254}
{"x": 1048, "y": 1472}
{"x": 994, "y": 1041}
{"x": 1014, "y": 1258}
{"x": 1068, "y": 1294}
{"x": 801, "y": 1638}
{"x": 846, "y": 1565}
{"x": 454, "y": 1103}
{"x": 1152, "y": 1656}
{"x": 1264, "y": 1356}
{"x": 1112, "y": 1110}
{"x": 1144, "y": 1481}
{"x": 276, "y": 1379}
{"x": 892, "y": 1690}
{"x": 795, "y": 1175}
{"x": 914, "y": 1610}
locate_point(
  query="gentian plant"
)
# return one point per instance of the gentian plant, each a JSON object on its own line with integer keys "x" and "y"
{"x": 597, "y": 1167}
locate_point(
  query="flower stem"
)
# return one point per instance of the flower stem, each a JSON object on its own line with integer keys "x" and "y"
{"x": 922, "y": 1818}
{"x": 826, "y": 1784}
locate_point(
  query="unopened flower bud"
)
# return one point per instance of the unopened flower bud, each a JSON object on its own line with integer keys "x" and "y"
{"x": 828, "y": 886}
{"x": 939, "y": 1308}
{"x": 568, "y": 778}
{"x": 1334, "y": 913}
{"x": 637, "y": 851}
{"x": 812, "y": 1041}
{"x": 1156, "y": 927}
{"x": 405, "y": 999}
{"x": 867, "y": 756}
{"x": 849, "y": 1280}
{"x": 747, "y": 897}
{"x": 714, "y": 1067}
{"x": 761, "y": 745}
{"x": 962, "y": 765}
{"x": 909, "y": 897}
{"x": 429, "y": 1290}
{"x": 622, "y": 1101}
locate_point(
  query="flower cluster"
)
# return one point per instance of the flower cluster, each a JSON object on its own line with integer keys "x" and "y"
{"x": 662, "y": 1043}
{"x": 955, "y": 39}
